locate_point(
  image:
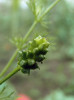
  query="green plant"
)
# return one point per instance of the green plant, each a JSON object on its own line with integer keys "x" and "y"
{"x": 28, "y": 54}
{"x": 42, "y": 44}
{"x": 7, "y": 92}
{"x": 27, "y": 59}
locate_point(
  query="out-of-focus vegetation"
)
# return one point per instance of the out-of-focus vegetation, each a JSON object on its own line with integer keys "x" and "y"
{"x": 57, "y": 72}
{"x": 58, "y": 95}
{"x": 7, "y": 92}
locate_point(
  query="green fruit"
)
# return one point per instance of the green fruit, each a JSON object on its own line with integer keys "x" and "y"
{"x": 31, "y": 62}
{"x": 35, "y": 51}
{"x": 44, "y": 51}
{"x": 34, "y": 66}
{"x": 25, "y": 71}
{"x": 40, "y": 58}
{"x": 30, "y": 54}
{"x": 24, "y": 53}
{"x": 19, "y": 55}
{"x": 23, "y": 63}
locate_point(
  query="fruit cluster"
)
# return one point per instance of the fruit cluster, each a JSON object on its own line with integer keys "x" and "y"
{"x": 27, "y": 59}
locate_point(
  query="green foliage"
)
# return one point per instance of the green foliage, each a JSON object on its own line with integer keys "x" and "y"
{"x": 7, "y": 92}
{"x": 39, "y": 57}
{"x": 56, "y": 72}
{"x": 40, "y": 8}
{"x": 18, "y": 42}
{"x": 37, "y": 7}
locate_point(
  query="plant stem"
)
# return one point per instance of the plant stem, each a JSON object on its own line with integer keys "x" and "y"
{"x": 9, "y": 63}
{"x": 49, "y": 8}
{"x": 30, "y": 30}
{"x": 15, "y": 53}
{"x": 10, "y": 74}
{"x": 26, "y": 36}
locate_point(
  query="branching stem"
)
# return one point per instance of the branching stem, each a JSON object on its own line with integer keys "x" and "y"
{"x": 15, "y": 53}
{"x": 49, "y": 8}
{"x": 25, "y": 38}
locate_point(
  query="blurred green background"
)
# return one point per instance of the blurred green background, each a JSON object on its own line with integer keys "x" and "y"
{"x": 57, "y": 71}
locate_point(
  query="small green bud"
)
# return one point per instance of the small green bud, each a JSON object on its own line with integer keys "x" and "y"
{"x": 35, "y": 66}
{"x": 30, "y": 54}
{"x": 42, "y": 50}
{"x": 31, "y": 62}
{"x": 38, "y": 40}
{"x": 40, "y": 58}
{"x": 30, "y": 42}
{"x": 23, "y": 63}
{"x": 44, "y": 45}
{"x": 24, "y": 53}
{"x": 25, "y": 71}
{"x": 35, "y": 51}
{"x": 19, "y": 55}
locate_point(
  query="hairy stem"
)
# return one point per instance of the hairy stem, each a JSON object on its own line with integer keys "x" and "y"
{"x": 15, "y": 53}
{"x": 10, "y": 74}
{"x": 26, "y": 36}
{"x": 9, "y": 63}
{"x": 49, "y": 8}
{"x": 32, "y": 27}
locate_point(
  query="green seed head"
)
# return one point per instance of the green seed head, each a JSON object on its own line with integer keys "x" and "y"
{"x": 34, "y": 53}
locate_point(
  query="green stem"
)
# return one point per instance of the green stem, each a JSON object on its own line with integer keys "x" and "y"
{"x": 15, "y": 53}
{"x": 49, "y": 8}
{"x": 30, "y": 30}
{"x": 9, "y": 63}
{"x": 10, "y": 74}
{"x": 25, "y": 38}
